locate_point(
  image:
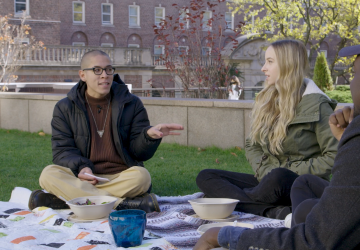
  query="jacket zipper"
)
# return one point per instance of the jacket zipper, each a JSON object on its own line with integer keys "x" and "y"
{"x": 263, "y": 157}
{"x": 88, "y": 130}
{"x": 273, "y": 155}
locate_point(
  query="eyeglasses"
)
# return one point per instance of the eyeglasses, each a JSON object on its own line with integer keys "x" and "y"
{"x": 98, "y": 70}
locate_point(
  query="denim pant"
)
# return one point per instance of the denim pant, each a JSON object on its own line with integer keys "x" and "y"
{"x": 255, "y": 197}
{"x": 305, "y": 194}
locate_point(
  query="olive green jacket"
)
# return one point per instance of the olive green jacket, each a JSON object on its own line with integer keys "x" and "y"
{"x": 309, "y": 147}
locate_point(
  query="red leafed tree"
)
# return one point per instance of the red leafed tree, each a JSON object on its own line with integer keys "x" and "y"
{"x": 191, "y": 39}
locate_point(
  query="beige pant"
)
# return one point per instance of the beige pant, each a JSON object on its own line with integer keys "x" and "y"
{"x": 61, "y": 181}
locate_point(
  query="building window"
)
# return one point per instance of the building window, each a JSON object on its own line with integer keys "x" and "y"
{"x": 290, "y": 20}
{"x": 159, "y": 49}
{"x": 159, "y": 15}
{"x": 183, "y": 19}
{"x": 78, "y": 44}
{"x": 205, "y": 22}
{"x": 107, "y": 45}
{"x": 21, "y": 6}
{"x": 22, "y": 41}
{"x": 183, "y": 50}
{"x": 206, "y": 51}
{"x": 324, "y": 51}
{"x": 229, "y": 19}
{"x": 250, "y": 20}
{"x": 134, "y": 15}
{"x": 78, "y": 12}
{"x": 133, "y": 46}
{"x": 107, "y": 13}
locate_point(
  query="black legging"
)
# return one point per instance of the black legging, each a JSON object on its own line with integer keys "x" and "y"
{"x": 305, "y": 194}
{"x": 255, "y": 197}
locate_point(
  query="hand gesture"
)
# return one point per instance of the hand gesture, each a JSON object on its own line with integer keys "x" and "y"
{"x": 339, "y": 120}
{"x": 82, "y": 176}
{"x": 208, "y": 240}
{"x": 164, "y": 129}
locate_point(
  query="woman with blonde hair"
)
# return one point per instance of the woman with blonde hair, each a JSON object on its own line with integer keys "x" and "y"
{"x": 290, "y": 136}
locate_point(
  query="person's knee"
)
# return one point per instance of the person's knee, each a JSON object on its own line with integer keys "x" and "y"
{"x": 204, "y": 175}
{"x": 46, "y": 174}
{"x": 301, "y": 181}
{"x": 143, "y": 178}
{"x": 280, "y": 175}
{"x": 303, "y": 209}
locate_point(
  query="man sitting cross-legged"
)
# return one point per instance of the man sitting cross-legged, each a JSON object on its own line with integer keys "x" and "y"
{"x": 100, "y": 129}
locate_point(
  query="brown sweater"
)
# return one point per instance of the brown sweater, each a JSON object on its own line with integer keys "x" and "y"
{"x": 102, "y": 151}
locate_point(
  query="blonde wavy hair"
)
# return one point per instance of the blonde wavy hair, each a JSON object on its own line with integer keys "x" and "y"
{"x": 275, "y": 105}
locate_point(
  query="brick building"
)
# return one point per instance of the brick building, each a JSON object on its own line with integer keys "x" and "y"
{"x": 125, "y": 28}
{"x": 97, "y": 23}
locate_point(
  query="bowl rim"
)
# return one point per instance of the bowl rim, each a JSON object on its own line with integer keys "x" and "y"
{"x": 228, "y": 201}
{"x": 88, "y": 197}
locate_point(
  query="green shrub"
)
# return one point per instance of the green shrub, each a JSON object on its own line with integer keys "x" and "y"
{"x": 341, "y": 94}
{"x": 322, "y": 75}
{"x": 343, "y": 87}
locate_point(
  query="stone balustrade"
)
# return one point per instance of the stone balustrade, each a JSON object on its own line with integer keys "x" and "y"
{"x": 61, "y": 55}
{"x": 221, "y": 123}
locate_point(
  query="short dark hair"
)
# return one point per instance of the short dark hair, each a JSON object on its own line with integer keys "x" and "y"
{"x": 92, "y": 53}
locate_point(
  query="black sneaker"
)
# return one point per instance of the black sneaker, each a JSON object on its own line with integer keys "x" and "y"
{"x": 146, "y": 202}
{"x": 40, "y": 199}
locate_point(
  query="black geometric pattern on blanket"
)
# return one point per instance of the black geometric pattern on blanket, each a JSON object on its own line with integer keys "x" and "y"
{"x": 58, "y": 222}
{"x": 53, "y": 245}
{"x": 96, "y": 242}
{"x": 14, "y": 210}
{"x": 177, "y": 226}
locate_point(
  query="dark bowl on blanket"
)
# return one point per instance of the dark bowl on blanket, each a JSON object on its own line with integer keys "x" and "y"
{"x": 213, "y": 208}
{"x": 101, "y": 209}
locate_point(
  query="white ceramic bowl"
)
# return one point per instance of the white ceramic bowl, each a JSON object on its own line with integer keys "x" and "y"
{"x": 213, "y": 208}
{"x": 92, "y": 212}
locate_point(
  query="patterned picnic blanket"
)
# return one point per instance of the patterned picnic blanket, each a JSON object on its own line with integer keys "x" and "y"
{"x": 175, "y": 227}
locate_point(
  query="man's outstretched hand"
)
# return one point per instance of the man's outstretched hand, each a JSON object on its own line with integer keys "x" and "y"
{"x": 164, "y": 129}
{"x": 339, "y": 120}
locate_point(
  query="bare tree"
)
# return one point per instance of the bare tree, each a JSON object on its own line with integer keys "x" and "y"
{"x": 15, "y": 45}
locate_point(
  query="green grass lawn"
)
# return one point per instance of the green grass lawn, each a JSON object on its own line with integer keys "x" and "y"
{"x": 173, "y": 168}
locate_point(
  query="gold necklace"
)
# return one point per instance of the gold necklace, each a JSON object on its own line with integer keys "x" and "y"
{"x": 100, "y": 132}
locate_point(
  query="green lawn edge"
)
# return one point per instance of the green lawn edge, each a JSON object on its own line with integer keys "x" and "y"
{"x": 173, "y": 168}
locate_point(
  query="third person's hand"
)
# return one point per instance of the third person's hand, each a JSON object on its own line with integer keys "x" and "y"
{"x": 339, "y": 121}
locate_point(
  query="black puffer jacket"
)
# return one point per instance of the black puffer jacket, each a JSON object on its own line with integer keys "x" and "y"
{"x": 71, "y": 128}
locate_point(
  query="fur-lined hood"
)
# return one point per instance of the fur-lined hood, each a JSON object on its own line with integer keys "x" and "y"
{"x": 312, "y": 88}
{"x": 308, "y": 109}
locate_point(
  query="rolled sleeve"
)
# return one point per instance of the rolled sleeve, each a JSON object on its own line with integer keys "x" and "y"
{"x": 228, "y": 236}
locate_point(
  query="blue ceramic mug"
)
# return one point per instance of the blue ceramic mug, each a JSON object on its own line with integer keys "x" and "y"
{"x": 128, "y": 227}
